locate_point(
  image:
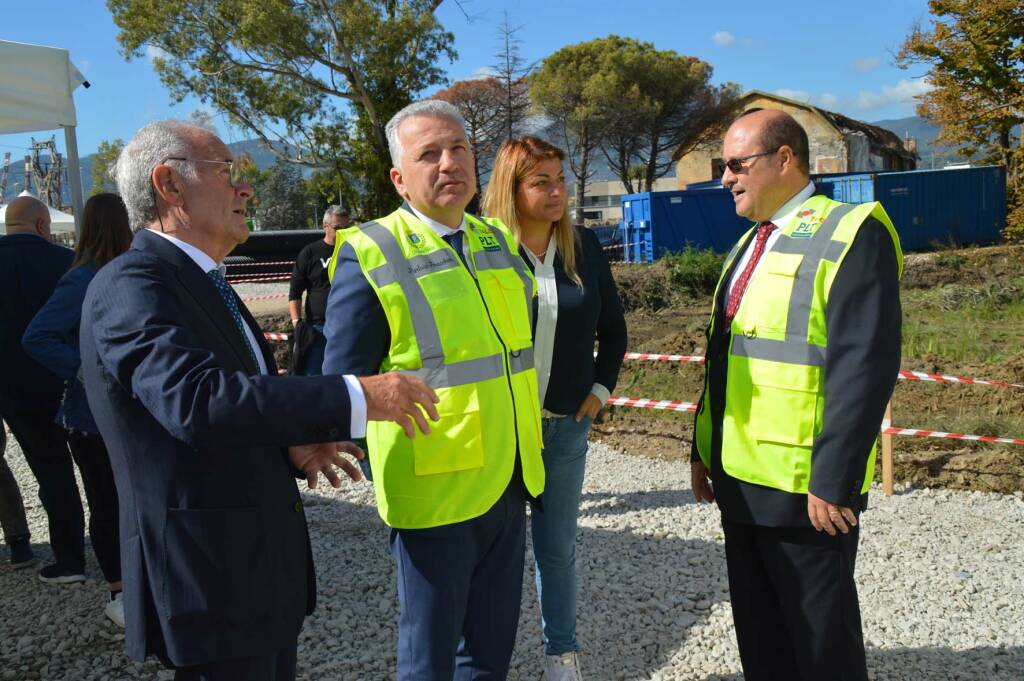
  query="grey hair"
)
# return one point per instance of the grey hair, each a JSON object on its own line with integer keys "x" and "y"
{"x": 426, "y": 107}
{"x": 147, "y": 149}
{"x": 334, "y": 210}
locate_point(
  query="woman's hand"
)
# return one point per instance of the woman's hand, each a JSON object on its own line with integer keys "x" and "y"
{"x": 590, "y": 407}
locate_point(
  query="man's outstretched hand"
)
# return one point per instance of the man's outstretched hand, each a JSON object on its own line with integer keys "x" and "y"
{"x": 401, "y": 398}
{"x": 324, "y": 458}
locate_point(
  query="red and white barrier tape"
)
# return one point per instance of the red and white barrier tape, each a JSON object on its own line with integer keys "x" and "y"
{"x": 268, "y": 297}
{"x": 667, "y": 405}
{"x": 260, "y": 264}
{"x": 651, "y": 357}
{"x": 276, "y": 336}
{"x": 264, "y": 279}
{"x": 904, "y": 375}
{"x": 617, "y": 246}
{"x": 941, "y": 378}
{"x": 889, "y": 429}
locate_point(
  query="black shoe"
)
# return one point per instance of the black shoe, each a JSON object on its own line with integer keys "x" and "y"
{"x": 21, "y": 553}
{"x": 58, "y": 574}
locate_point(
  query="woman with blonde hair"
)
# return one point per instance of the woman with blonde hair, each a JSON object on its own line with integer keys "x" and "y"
{"x": 577, "y": 303}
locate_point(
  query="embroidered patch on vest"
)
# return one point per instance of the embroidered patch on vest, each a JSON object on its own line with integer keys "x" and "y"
{"x": 417, "y": 242}
{"x": 809, "y": 224}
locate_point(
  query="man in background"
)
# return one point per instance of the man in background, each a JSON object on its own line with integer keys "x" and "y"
{"x": 30, "y": 394}
{"x": 310, "y": 277}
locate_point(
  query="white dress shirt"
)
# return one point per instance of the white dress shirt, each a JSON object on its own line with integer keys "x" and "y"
{"x": 547, "y": 322}
{"x": 781, "y": 218}
{"x": 357, "y": 422}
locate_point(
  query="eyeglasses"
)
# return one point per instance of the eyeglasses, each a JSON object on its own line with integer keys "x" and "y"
{"x": 234, "y": 168}
{"x": 737, "y": 164}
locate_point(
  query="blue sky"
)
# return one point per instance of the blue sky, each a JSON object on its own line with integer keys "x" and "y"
{"x": 838, "y": 56}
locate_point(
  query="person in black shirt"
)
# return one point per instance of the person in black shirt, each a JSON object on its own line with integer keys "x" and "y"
{"x": 310, "y": 276}
{"x": 576, "y": 302}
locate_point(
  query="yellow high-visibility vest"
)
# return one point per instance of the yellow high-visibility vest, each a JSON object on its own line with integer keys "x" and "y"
{"x": 467, "y": 334}
{"x": 774, "y": 393}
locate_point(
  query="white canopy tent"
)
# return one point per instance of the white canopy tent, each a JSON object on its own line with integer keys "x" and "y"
{"x": 36, "y": 93}
{"x": 59, "y": 220}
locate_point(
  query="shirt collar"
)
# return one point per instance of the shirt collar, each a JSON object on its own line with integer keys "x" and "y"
{"x": 788, "y": 211}
{"x": 205, "y": 262}
{"x": 439, "y": 229}
{"x": 549, "y": 255}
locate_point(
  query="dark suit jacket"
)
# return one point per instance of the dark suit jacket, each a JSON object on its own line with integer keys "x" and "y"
{"x": 30, "y": 267}
{"x": 863, "y": 320}
{"x": 214, "y": 547}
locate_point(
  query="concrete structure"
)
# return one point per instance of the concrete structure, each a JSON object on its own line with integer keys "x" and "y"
{"x": 601, "y": 205}
{"x": 838, "y": 144}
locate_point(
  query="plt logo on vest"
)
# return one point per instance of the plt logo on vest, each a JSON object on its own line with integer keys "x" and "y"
{"x": 485, "y": 236}
{"x": 809, "y": 224}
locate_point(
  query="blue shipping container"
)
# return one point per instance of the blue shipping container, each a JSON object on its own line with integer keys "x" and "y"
{"x": 654, "y": 223}
{"x": 928, "y": 207}
{"x": 933, "y": 207}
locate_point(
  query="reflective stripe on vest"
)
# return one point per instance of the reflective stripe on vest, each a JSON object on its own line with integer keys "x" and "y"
{"x": 795, "y": 349}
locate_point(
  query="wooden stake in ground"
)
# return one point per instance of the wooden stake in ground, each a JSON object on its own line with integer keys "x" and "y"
{"x": 887, "y": 452}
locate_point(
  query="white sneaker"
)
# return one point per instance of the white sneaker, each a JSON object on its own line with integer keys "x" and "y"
{"x": 114, "y": 610}
{"x": 564, "y": 667}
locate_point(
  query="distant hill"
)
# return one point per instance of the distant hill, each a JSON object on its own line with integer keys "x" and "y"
{"x": 925, "y": 132}
{"x": 261, "y": 155}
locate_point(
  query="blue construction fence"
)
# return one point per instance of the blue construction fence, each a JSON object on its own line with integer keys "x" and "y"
{"x": 929, "y": 208}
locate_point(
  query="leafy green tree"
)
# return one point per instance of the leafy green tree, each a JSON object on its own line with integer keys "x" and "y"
{"x": 103, "y": 161}
{"x": 974, "y": 52}
{"x": 316, "y": 81}
{"x": 568, "y": 88}
{"x": 282, "y": 198}
{"x": 658, "y": 104}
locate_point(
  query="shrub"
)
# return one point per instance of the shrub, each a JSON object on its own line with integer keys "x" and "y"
{"x": 695, "y": 270}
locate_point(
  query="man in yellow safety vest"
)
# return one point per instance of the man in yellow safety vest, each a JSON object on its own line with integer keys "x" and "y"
{"x": 802, "y": 356}
{"x": 435, "y": 292}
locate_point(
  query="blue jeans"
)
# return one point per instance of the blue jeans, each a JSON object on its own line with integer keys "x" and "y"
{"x": 554, "y": 530}
{"x": 315, "y": 354}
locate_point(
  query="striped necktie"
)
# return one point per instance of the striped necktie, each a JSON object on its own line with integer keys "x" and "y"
{"x": 229, "y": 299}
{"x": 764, "y": 230}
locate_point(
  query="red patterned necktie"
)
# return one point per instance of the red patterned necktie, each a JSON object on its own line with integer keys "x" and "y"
{"x": 736, "y": 294}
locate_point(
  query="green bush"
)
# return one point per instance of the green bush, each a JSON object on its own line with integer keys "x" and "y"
{"x": 694, "y": 269}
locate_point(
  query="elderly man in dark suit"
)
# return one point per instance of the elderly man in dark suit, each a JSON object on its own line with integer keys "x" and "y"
{"x": 803, "y": 351}
{"x": 204, "y": 436}
{"x": 30, "y": 266}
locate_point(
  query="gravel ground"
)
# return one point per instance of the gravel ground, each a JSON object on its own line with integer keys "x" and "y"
{"x": 940, "y": 577}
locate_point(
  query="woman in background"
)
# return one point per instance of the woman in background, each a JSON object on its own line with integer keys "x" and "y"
{"x": 52, "y": 340}
{"x": 576, "y": 304}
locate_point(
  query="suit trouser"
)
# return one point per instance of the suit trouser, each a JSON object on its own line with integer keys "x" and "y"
{"x": 45, "y": 446}
{"x": 460, "y": 588}
{"x": 794, "y": 603}
{"x": 12, "y": 508}
{"x": 277, "y": 666}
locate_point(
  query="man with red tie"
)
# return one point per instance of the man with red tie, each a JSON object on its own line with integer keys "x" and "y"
{"x": 802, "y": 356}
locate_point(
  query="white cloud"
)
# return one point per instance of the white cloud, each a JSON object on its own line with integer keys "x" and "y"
{"x": 865, "y": 65}
{"x": 828, "y": 100}
{"x": 153, "y": 53}
{"x": 904, "y": 92}
{"x": 482, "y": 72}
{"x": 723, "y": 38}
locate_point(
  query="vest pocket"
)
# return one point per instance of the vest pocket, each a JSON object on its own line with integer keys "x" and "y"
{"x": 783, "y": 415}
{"x": 455, "y": 442}
{"x": 503, "y": 289}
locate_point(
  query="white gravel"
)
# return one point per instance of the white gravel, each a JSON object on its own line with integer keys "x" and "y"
{"x": 941, "y": 579}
